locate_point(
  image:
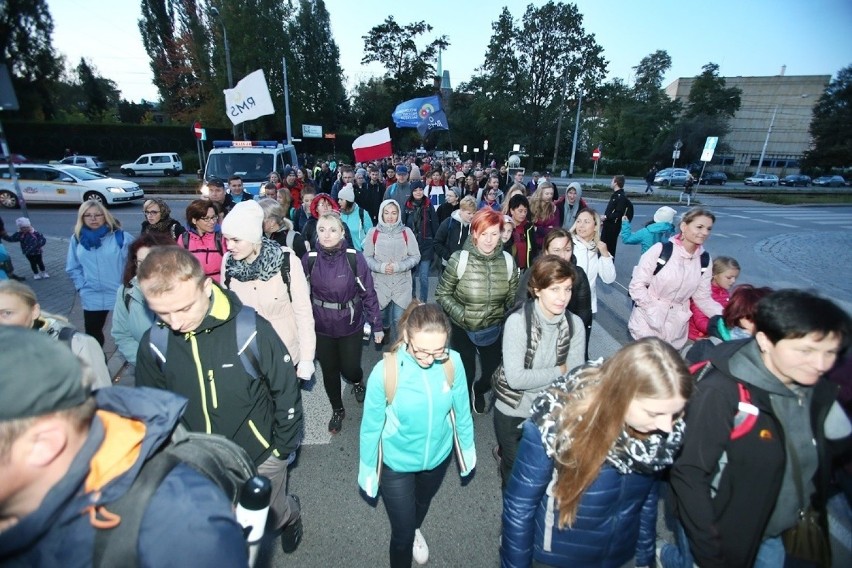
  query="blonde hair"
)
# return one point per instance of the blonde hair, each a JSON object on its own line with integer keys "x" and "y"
{"x": 468, "y": 203}
{"x": 514, "y": 190}
{"x": 540, "y": 208}
{"x": 596, "y": 236}
{"x": 109, "y": 220}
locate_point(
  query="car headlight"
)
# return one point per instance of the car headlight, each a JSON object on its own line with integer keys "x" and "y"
{"x": 116, "y": 189}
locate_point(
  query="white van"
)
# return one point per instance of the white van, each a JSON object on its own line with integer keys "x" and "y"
{"x": 161, "y": 164}
{"x": 252, "y": 160}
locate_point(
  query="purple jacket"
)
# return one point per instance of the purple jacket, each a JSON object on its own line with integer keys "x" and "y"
{"x": 332, "y": 281}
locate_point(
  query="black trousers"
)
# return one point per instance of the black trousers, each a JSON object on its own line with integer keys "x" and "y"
{"x": 489, "y": 358}
{"x": 508, "y": 432}
{"x": 94, "y": 322}
{"x": 36, "y": 263}
{"x": 338, "y": 355}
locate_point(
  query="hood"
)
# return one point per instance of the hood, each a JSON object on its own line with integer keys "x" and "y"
{"x": 457, "y": 216}
{"x": 676, "y": 239}
{"x": 662, "y": 227}
{"x": 469, "y": 246}
{"x": 741, "y": 359}
{"x": 385, "y": 227}
{"x": 130, "y": 425}
{"x": 579, "y": 189}
{"x": 317, "y": 199}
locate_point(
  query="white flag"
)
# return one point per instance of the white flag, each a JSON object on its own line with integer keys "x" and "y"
{"x": 249, "y": 99}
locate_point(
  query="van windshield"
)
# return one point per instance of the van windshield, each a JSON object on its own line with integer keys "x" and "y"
{"x": 251, "y": 166}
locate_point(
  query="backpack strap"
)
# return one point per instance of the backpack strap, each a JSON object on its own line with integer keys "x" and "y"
{"x": 392, "y": 374}
{"x": 705, "y": 261}
{"x": 665, "y": 255}
{"x": 312, "y": 260}
{"x": 66, "y": 334}
{"x": 184, "y": 238}
{"x": 247, "y": 347}
{"x": 126, "y": 297}
{"x": 217, "y": 239}
{"x": 285, "y": 273}
{"x": 510, "y": 265}
{"x": 746, "y": 416}
{"x": 158, "y": 341}
{"x": 119, "y": 238}
{"x": 462, "y": 265}
{"x": 352, "y": 258}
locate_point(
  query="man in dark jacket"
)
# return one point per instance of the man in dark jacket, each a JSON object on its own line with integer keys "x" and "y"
{"x": 619, "y": 206}
{"x": 202, "y": 363}
{"x": 66, "y": 455}
{"x": 419, "y": 216}
{"x": 369, "y": 197}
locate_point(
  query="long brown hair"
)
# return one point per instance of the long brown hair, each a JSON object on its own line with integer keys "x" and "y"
{"x": 588, "y": 426}
{"x": 419, "y": 317}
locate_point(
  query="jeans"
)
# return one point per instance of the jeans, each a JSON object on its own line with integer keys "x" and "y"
{"x": 94, "y": 322}
{"x": 678, "y": 555}
{"x": 338, "y": 355}
{"x": 390, "y": 316}
{"x": 489, "y": 357}
{"x": 770, "y": 554}
{"x": 421, "y": 273}
{"x": 407, "y": 496}
{"x": 508, "y": 432}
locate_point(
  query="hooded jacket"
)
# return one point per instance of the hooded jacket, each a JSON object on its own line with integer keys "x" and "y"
{"x": 358, "y": 222}
{"x": 422, "y": 219}
{"x": 131, "y": 318}
{"x": 727, "y": 511}
{"x": 83, "y": 346}
{"x": 569, "y": 212}
{"x": 662, "y": 300}
{"x": 262, "y": 416}
{"x": 309, "y": 231}
{"x": 189, "y": 521}
{"x": 481, "y": 298}
{"x": 646, "y": 236}
{"x": 400, "y": 192}
{"x": 525, "y": 233}
{"x": 96, "y": 272}
{"x": 699, "y": 322}
{"x": 594, "y": 265}
{"x": 451, "y": 236}
{"x": 385, "y": 245}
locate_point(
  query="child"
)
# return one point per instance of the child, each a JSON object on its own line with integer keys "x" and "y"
{"x": 726, "y": 270}
{"x": 31, "y": 245}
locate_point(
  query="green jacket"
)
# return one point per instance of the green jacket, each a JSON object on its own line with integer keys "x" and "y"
{"x": 483, "y": 295}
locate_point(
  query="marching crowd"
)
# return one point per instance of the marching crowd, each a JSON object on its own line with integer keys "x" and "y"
{"x": 720, "y": 407}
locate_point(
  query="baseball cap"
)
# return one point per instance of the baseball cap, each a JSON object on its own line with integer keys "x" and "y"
{"x": 402, "y": 169}
{"x": 41, "y": 375}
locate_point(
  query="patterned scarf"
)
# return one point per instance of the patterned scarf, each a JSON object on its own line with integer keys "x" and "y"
{"x": 264, "y": 267}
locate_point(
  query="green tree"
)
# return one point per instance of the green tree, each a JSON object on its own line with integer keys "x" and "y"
{"x": 831, "y": 126}
{"x": 709, "y": 96}
{"x": 100, "y": 95}
{"x": 26, "y": 46}
{"x": 649, "y": 74}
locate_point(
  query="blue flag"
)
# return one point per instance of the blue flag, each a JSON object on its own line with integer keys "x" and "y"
{"x": 435, "y": 121}
{"x": 411, "y": 113}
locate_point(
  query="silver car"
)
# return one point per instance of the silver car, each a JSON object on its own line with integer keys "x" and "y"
{"x": 671, "y": 177}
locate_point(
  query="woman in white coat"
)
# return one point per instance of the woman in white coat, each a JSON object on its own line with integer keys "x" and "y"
{"x": 592, "y": 255}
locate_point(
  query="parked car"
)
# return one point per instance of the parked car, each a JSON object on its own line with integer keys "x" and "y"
{"x": 713, "y": 178}
{"x": 56, "y": 183}
{"x": 830, "y": 181}
{"x": 16, "y": 159}
{"x": 91, "y": 162}
{"x": 762, "y": 179}
{"x": 671, "y": 177}
{"x": 795, "y": 180}
{"x": 161, "y": 164}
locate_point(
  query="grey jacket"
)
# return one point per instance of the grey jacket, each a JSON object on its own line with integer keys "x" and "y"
{"x": 384, "y": 245}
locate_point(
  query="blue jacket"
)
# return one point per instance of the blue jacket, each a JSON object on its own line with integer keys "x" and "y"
{"x": 616, "y": 518}
{"x": 646, "y": 236}
{"x": 96, "y": 273}
{"x": 189, "y": 521}
{"x": 359, "y": 223}
{"x": 415, "y": 430}
{"x": 131, "y": 318}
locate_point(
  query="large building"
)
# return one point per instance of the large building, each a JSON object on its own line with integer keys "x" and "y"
{"x": 781, "y": 106}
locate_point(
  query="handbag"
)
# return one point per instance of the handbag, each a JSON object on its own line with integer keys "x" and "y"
{"x": 807, "y": 541}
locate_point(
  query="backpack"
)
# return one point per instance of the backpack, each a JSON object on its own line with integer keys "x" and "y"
{"x": 376, "y": 236}
{"x": 247, "y": 348}
{"x": 746, "y": 416}
{"x": 463, "y": 257}
{"x": 353, "y": 266}
{"x": 284, "y": 270}
{"x": 66, "y": 334}
{"x": 666, "y": 254}
{"x": 217, "y": 238}
{"x": 216, "y": 457}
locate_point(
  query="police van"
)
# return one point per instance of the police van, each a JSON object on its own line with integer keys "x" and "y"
{"x": 252, "y": 160}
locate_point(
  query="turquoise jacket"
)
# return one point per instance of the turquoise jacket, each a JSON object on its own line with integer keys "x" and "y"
{"x": 415, "y": 430}
{"x": 131, "y": 318}
{"x": 358, "y": 227}
{"x": 646, "y": 236}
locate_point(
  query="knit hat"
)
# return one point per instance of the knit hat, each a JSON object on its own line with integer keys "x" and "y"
{"x": 22, "y": 222}
{"x": 346, "y": 192}
{"x": 288, "y": 171}
{"x": 361, "y": 171}
{"x": 664, "y": 214}
{"x": 245, "y": 222}
{"x": 402, "y": 169}
{"x": 41, "y": 375}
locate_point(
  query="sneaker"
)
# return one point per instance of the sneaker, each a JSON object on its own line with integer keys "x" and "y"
{"x": 497, "y": 453}
{"x": 420, "y": 550}
{"x": 37, "y": 276}
{"x": 291, "y": 536}
{"x": 45, "y": 275}
{"x": 360, "y": 391}
{"x": 478, "y": 403}
{"x": 336, "y": 422}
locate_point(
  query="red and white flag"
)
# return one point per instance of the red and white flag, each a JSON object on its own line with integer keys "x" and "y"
{"x": 373, "y": 146}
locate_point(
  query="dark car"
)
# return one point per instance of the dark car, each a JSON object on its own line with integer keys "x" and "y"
{"x": 713, "y": 178}
{"x": 795, "y": 181}
{"x": 830, "y": 181}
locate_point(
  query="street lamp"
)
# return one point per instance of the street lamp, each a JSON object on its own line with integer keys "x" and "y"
{"x": 215, "y": 12}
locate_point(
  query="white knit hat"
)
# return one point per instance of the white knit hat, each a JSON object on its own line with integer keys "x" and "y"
{"x": 346, "y": 192}
{"x": 664, "y": 214}
{"x": 244, "y": 222}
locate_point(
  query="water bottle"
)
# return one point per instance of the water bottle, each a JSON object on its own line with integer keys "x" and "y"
{"x": 253, "y": 507}
{"x": 367, "y": 331}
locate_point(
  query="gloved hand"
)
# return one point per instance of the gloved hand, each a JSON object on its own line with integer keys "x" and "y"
{"x": 379, "y": 336}
{"x": 305, "y": 369}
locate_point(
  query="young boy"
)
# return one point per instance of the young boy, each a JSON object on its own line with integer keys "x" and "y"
{"x": 31, "y": 245}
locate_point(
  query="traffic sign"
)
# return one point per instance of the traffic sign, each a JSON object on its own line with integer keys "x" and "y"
{"x": 676, "y": 155}
{"x": 709, "y": 148}
{"x": 331, "y": 136}
{"x": 596, "y": 154}
{"x": 198, "y": 130}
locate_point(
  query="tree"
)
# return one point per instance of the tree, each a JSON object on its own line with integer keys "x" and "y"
{"x": 25, "y": 45}
{"x": 650, "y": 73}
{"x": 831, "y": 126}
{"x": 709, "y": 97}
{"x": 99, "y": 94}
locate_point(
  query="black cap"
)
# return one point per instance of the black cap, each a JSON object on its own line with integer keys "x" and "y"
{"x": 40, "y": 374}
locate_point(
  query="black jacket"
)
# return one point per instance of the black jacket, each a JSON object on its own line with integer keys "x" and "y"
{"x": 369, "y": 198}
{"x": 423, "y": 222}
{"x": 263, "y": 416}
{"x": 450, "y": 237}
{"x": 618, "y": 206}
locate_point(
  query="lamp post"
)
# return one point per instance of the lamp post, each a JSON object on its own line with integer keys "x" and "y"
{"x": 215, "y": 12}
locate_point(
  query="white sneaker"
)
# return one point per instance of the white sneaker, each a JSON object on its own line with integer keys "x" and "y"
{"x": 420, "y": 550}
{"x": 38, "y": 276}
{"x": 45, "y": 275}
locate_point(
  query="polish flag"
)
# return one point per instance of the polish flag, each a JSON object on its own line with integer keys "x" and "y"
{"x": 372, "y": 146}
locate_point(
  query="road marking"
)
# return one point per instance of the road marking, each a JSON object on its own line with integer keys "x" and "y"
{"x": 786, "y": 225}
{"x": 739, "y": 216}
{"x": 738, "y": 235}
{"x": 715, "y": 235}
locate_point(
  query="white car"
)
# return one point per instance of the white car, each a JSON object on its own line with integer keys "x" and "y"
{"x": 160, "y": 164}
{"x": 762, "y": 179}
{"x": 64, "y": 184}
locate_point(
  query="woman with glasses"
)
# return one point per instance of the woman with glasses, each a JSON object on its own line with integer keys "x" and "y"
{"x": 204, "y": 239}
{"x": 96, "y": 256}
{"x": 158, "y": 219}
{"x": 415, "y": 411}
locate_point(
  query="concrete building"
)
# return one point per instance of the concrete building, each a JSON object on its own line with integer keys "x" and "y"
{"x": 781, "y": 106}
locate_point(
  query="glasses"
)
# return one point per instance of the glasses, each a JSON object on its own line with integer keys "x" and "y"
{"x": 153, "y": 212}
{"x": 208, "y": 219}
{"x": 93, "y": 216}
{"x": 424, "y": 356}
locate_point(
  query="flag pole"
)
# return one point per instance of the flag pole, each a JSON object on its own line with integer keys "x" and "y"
{"x": 286, "y": 102}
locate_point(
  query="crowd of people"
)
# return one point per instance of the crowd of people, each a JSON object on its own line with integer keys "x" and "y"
{"x": 719, "y": 406}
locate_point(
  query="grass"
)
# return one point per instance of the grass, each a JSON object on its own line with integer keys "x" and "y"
{"x": 780, "y": 199}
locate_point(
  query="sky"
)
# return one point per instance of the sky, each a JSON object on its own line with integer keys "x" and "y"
{"x": 744, "y": 37}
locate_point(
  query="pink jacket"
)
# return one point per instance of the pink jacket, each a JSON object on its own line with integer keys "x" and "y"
{"x": 662, "y": 301}
{"x": 204, "y": 249}
{"x": 293, "y": 321}
{"x": 699, "y": 320}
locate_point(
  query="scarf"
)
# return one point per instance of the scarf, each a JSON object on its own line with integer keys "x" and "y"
{"x": 164, "y": 225}
{"x": 91, "y": 238}
{"x": 264, "y": 267}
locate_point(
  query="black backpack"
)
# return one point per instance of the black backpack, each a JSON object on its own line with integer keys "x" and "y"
{"x": 219, "y": 459}
{"x": 666, "y": 254}
{"x": 217, "y": 238}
